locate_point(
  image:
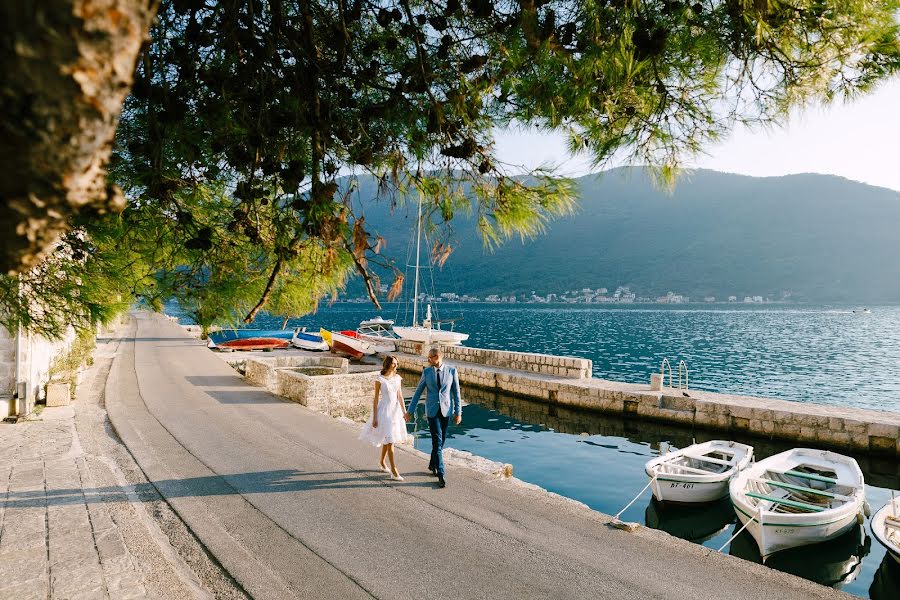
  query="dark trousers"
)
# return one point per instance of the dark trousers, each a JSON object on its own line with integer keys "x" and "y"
{"x": 437, "y": 425}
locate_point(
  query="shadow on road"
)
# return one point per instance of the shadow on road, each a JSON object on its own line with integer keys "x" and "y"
{"x": 262, "y": 482}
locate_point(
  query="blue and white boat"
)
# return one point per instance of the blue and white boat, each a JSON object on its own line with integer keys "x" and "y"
{"x": 308, "y": 341}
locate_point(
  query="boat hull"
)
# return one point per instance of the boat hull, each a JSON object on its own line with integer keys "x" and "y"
{"x": 309, "y": 341}
{"x": 339, "y": 347}
{"x": 430, "y": 336}
{"x": 217, "y": 338}
{"x": 343, "y": 343}
{"x": 784, "y": 532}
{"x": 254, "y": 344}
{"x": 687, "y": 491}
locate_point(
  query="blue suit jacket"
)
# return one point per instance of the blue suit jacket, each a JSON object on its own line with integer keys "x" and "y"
{"x": 445, "y": 400}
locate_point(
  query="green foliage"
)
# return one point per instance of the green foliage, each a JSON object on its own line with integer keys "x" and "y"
{"x": 249, "y": 121}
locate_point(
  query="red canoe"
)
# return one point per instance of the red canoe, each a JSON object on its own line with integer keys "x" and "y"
{"x": 260, "y": 343}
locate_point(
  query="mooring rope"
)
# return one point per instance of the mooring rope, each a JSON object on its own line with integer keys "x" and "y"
{"x": 618, "y": 514}
{"x": 736, "y": 534}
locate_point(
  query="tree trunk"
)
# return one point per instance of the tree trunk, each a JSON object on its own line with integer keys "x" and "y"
{"x": 67, "y": 66}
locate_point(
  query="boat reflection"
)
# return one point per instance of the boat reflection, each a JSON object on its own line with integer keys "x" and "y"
{"x": 834, "y": 563}
{"x": 694, "y": 523}
{"x": 886, "y": 583}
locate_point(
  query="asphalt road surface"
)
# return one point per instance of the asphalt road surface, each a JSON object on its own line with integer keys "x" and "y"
{"x": 293, "y": 506}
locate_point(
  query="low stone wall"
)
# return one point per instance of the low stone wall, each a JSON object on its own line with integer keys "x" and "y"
{"x": 856, "y": 429}
{"x": 262, "y": 371}
{"x": 36, "y": 354}
{"x": 333, "y": 394}
{"x": 341, "y": 394}
{"x": 543, "y": 364}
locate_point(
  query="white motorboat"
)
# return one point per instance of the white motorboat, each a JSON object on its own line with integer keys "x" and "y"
{"x": 428, "y": 332}
{"x": 886, "y": 527}
{"x": 308, "y": 341}
{"x": 799, "y": 497}
{"x": 698, "y": 473}
{"x": 379, "y": 332}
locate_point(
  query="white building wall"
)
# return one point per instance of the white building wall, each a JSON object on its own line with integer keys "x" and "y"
{"x": 36, "y": 355}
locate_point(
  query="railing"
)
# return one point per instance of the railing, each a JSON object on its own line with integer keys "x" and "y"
{"x": 682, "y": 382}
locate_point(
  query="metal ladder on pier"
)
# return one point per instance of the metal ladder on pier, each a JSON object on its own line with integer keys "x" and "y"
{"x": 681, "y": 383}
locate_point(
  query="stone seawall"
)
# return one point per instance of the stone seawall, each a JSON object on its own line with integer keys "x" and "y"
{"x": 569, "y": 367}
{"x": 856, "y": 429}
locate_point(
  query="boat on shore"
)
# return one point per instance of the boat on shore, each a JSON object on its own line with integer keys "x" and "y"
{"x": 350, "y": 344}
{"x": 799, "y": 497}
{"x": 886, "y": 527}
{"x": 308, "y": 341}
{"x": 379, "y": 332}
{"x": 698, "y": 473}
{"x": 253, "y": 343}
{"x": 217, "y": 338}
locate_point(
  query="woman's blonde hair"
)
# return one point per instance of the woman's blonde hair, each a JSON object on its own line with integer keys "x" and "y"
{"x": 388, "y": 361}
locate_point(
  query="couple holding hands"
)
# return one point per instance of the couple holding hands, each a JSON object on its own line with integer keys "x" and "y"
{"x": 387, "y": 425}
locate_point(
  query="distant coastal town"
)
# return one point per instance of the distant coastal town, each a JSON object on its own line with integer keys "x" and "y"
{"x": 601, "y": 295}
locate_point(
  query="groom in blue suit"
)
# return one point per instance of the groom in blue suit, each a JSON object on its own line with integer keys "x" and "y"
{"x": 441, "y": 400}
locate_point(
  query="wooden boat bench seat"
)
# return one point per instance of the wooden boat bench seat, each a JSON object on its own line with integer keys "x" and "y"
{"x": 715, "y": 461}
{"x": 683, "y": 468}
{"x": 799, "y": 488}
{"x": 786, "y": 502}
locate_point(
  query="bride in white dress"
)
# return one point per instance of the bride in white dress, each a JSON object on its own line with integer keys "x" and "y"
{"x": 387, "y": 425}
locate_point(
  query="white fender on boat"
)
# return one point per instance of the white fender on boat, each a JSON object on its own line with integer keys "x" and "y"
{"x": 867, "y": 508}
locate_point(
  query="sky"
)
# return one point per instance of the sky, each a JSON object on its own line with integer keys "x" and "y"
{"x": 859, "y": 140}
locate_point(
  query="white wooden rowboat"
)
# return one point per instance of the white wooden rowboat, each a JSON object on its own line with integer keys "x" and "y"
{"x": 698, "y": 473}
{"x": 799, "y": 497}
{"x": 886, "y": 527}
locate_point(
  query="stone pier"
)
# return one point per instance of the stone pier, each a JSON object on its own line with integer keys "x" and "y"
{"x": 567, "y": 381}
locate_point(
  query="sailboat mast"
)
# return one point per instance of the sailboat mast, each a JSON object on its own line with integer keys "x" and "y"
{"x": 418, "y": 244}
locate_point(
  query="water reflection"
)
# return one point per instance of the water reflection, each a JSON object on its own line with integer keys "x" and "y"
{"x": 834, "y": 563}
{"x": 693, "y": 523}
{"x": 886, "y": 583}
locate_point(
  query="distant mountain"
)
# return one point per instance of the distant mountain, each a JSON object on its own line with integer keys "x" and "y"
{"x": 820, "y": 238}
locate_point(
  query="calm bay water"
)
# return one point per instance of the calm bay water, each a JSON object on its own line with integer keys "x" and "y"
{"x": 808, "y": 354}
{"x": 825, "y": 355}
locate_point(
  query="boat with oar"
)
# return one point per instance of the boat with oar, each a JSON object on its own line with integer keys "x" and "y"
{"x": 308, "y": 341}
{"x": 217, "y": 338}
{"x": 253, "y": 343}
{"x": 799, "y": 497}
{"x": 698, "y": 473}
{"x": 349, "y": 343}
{"x": 886, "y": 527}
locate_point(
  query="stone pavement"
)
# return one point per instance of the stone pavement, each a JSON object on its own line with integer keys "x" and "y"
{"x": 79, "y": 521}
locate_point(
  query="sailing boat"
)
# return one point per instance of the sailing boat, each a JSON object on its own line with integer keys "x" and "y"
{"x": 426, "y": 333}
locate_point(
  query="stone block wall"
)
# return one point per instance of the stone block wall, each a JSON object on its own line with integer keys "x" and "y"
{"x": 263, "y": 371}
{"x": 344, "y": 393}
{"x": 544, "y": 364}
{"x": 332, "y": 394}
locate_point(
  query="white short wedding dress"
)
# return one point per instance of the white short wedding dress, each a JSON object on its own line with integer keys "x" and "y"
{"x": 391, "y": 424}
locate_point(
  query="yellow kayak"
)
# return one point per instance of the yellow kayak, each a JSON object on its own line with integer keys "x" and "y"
{"x": 326, "y": 335}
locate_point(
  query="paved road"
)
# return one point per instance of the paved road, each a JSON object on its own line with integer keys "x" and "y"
{"x": 289, "y": 501}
